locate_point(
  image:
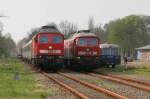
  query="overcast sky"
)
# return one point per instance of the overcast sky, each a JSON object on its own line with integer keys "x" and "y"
{"x": 26, "y": 14}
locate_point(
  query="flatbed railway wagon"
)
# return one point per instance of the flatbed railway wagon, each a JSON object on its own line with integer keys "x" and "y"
{"x": 82, "y": 51}
{"x": 45, "y": 49}
{"x": 110, "y": 54}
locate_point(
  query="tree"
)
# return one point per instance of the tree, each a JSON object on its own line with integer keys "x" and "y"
{"x": 146, "y": 24}
{"x": 129, "y": 32}
{"x": 91, "y": 24}
{"x": 67, "y": 28}
{"x": 98, "y": 30}
{"x": 7, "y": 46}
{"x": 101, "y": 34}
{"x": 1, "y": 28}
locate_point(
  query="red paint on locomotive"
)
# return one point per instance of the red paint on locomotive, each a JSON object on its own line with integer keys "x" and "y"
{"x": 50, "y": 47}
{"x": 82, "y": 48}
{"x": 45, "y": 48}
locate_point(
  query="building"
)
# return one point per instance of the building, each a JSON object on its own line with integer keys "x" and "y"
{"x": 143, "y": 53}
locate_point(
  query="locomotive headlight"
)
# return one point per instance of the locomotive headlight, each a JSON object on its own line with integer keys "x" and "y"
{"x": 50, "y": 47}
{"x": 43, "y": 51}
{"x": 87, "y": 49}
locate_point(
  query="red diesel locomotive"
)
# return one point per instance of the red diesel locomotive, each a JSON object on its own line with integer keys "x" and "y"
{"x": 46, "y": 49}
{"x": 82, "y": 51}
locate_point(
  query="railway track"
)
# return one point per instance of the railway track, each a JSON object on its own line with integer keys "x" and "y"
{"x": 75, "y": 92}
{"x": 91, "y": 86}
{"x": 78, "y": 92}
{"x": 133, "y": 83}
{"x": 93, "y": 89}
{"x": 83, "y": 89}
{"x": 129, "y": 79}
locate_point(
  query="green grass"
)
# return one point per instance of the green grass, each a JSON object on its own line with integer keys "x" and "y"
{"x": 142, "y": 70}
{"x": 26, "y": 87}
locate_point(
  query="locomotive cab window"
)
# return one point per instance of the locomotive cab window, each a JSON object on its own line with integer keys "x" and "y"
{"x": 56, "y": 39}
{"x": 43, "y": 39}
{"x": 87, "y": 41}
{"x": 82, "y": 41}
{"x": 92, "y": 41}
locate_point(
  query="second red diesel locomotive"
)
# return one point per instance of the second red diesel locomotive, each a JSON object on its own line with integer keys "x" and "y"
{"x": 82, "y": 50}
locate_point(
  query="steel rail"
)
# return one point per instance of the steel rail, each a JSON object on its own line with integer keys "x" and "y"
{"x": 132, "y": 80}
{"x": 92, "y": 86}
{"x": 121, "y": 81}
{"x": 75, "y": 92}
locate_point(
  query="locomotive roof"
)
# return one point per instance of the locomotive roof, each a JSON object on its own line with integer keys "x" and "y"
{"x": 48, "y": 33}
{"x": 109, "y": 45}
{"x": 49, "y": 28}
{"x": 80, "y": 31}
{"x": 83, "y": 35}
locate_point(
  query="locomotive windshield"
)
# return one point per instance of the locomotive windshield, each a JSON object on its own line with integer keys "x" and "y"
{"x": 92, "y": 41}
{"x": 43, "y": 39}
{"x": 56, "y": 39}
{"x": 87, "y": 42}
{"x": 82, "y": 42}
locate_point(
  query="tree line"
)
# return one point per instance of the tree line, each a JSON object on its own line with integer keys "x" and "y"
{"x": 129, "y": 32}
{"x": 7, "y": 45}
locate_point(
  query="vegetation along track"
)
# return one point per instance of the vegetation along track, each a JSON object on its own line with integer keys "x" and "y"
{"x": 94, "y": 87}
{"x": 133, "y": 83}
